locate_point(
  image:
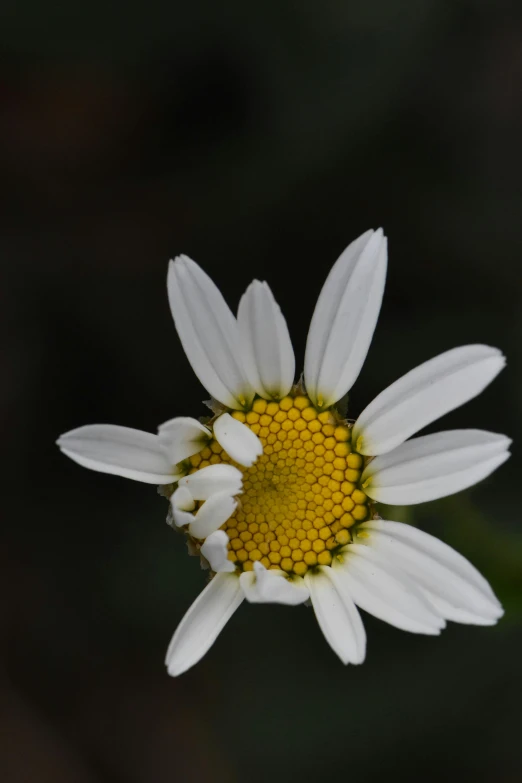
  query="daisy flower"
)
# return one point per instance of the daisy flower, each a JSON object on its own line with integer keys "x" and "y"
{"x": 277, "y": 492}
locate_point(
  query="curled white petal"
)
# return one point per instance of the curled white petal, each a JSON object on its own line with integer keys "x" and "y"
{"x": 436, "y": 568}
{"x": 434, "y": 466}
{"x": 182, "y": 504}
{"x": 379, "y": 587}
{"x": 203, "y": 623}
{"x": 212, "y": 479}
{"x": 423, "y": 395}
{"x": 215, "y": 549}
{"x": 268, "y": 356}
{"x": 241, "y": 444}
{"x": 212, "y": 514}
{"x": 208, "y": 332}
{"x": 262, "y": 586}
{"x": 121, "y": 451}
{"x": 182, "y": 437}
{"x": 344, "y": 319}
{"x": 337, "y": 615}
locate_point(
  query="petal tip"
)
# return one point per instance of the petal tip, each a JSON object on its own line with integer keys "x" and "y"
{"x": 174, "y": 265}
{"x": 181, "y": 259}
{"x": 175, "y": 669}
{"x": 489, "y": 352}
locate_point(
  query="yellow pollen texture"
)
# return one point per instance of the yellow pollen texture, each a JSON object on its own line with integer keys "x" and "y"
{"x": 302, "y": 495}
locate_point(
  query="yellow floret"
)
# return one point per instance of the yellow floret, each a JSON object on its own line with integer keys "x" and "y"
{"x": 259, "y": 406}
{"x": 324, "y": 558}
{"x": 358, "y": 496}
{"x": 286, "y": 403}
{"x": 341, "y": 433}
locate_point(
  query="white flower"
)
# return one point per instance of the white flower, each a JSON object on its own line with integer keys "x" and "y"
{"x": 278, "y": 492}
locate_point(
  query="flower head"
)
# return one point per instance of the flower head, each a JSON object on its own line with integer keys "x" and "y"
{"x": 278, "y": 491}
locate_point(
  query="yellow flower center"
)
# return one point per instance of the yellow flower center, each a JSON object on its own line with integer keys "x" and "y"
{"x": 302, "y": 495}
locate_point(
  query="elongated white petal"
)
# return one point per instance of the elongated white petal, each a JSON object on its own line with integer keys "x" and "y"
{"x": 183, "y": 437}
{"x": 208, "y": 332}
{"x": 203, "y": 623}
{"x": 344, "y": 319}
{"x": 337, "y": 615}
{"x": 435, "y": 567}
{"x": 423, "y": 395}
{"x": 268, "y": 356}
{"x": 182, "y": 504}
{"x": 120, "y": 451}
{"x": 238, "y": 440}
{"x": 434, "y": 466}
{"x": 261, "y": 586}
{"x": 212, "y": 479}
{"x": 215, "y": 549}
{"x": 382, "y": 590}
{"x": 213, "y": 513}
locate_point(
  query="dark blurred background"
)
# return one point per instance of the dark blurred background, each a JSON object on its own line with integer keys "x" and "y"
{"x": 259, "y": 140}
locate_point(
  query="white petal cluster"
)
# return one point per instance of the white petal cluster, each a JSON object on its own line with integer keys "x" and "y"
{"x": 399, "y": 574}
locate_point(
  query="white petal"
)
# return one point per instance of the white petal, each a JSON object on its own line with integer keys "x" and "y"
{"x": 337, "y": 615}
{"x": 214, "y": 478}
{"x": 181, "y": 518}
{"x": 241, "y": 444}
{"x": 382, "y": 590}
{"x": 182, "y": 504}
{"x": 183, "y": 437}
{"x": 183, "y": 500}
{"x": 203, "y": 623}
{"x": 423, "y": 395}
{"x": 268, "y": 356}
{"x": 450, "y": 612}
{"x": 215, "y": 549}
{"x": 120, "y": 451}
{"x": 213, "y": 513}
{"x": 262, "y": 586}
{"x": 434, "y": 466}
{"x": 208, "y": 332}
{"x": 435, "y": 567}
{"x": 344, "y": 319}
